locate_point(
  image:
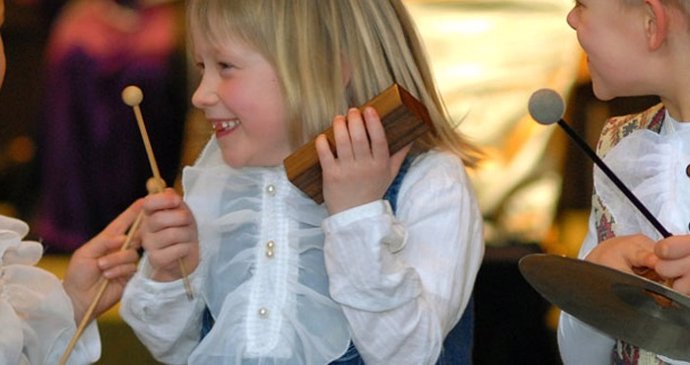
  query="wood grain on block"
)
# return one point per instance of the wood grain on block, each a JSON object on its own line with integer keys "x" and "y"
{"x": 404, "y": 119}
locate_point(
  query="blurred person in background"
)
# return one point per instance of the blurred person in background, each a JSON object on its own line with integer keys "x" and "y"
{"x": 92, "y": 158}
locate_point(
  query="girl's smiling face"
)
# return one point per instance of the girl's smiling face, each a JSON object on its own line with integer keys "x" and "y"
{"x": 241, "y": 96}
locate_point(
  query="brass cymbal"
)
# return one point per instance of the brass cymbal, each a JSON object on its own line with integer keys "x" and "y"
{"x": 624, "y": 306}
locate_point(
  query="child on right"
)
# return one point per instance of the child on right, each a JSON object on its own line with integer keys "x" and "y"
{"x": 636, "y": 47}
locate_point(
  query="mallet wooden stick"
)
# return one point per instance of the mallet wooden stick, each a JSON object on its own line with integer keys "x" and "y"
{"x": 133, "y": 96}
{"x": 103, "y": 285}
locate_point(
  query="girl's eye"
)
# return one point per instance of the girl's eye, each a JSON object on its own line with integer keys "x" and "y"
{"x": 226, "y": 69}
{"x": 200, "y": 67}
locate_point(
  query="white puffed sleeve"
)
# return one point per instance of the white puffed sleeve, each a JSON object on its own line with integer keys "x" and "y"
{"x": 36, "y": 315}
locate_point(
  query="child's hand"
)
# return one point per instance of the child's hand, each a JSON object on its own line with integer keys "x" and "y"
{"x": 363, "y": 168}
{"x": 101, "y": 256}
{"x": 674, "y": 261}
{"x": 168, "y": 234}
{"x": 624, "y": 253}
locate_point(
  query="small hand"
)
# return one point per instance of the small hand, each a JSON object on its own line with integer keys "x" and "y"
{"x": 624, "y": 253}
{"x": 168, "y": 234}
{"x": 674, "y": 261}
{"x": 102, "y": 257}
{"x": 363, "y": 168}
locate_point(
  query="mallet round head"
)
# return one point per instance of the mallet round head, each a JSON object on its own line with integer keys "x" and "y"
{"x": 132, "y": 95}
{"x": 546, "y": 106}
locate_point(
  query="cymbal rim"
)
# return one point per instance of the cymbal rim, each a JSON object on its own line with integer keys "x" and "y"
{"x": 614, "y": 302}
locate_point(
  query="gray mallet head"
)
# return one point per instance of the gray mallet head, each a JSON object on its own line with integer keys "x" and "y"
{"x": 546, "y": 106}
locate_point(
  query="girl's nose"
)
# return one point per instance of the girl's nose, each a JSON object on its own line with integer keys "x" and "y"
{"x": 204, "y": 95}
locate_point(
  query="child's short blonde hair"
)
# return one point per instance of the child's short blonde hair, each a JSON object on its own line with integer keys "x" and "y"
{"x": 331, "y": 55}
{"x": 682, "y": 5}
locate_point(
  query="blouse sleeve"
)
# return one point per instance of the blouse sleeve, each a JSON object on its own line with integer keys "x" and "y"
{"x": 36, "y": 315}
{"x": 164, "y": 319}
{"x": 404, "y": 281}
{"x": 578, "y": 342}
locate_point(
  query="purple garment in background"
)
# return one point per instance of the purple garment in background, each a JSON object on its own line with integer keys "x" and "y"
{"x": 93, "y": 160}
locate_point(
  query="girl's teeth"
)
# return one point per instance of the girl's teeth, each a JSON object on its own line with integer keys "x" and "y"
{"x": 227, "y": 125}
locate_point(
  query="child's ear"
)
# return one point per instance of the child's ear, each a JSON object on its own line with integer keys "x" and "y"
{"x": 656, "y": 23}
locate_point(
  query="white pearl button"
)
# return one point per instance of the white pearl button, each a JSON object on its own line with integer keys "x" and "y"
{"x": 271, "y": 190}
{"x": 270, "y": 249}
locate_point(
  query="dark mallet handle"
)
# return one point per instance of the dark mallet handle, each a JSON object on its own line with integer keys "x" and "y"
{"x": 600, "y": 163}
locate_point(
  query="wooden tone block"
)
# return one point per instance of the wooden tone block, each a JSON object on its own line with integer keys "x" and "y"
{"x": 404, "y": 119}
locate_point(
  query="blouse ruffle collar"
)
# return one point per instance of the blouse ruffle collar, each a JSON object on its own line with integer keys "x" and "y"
{"x": 263, "y": 246}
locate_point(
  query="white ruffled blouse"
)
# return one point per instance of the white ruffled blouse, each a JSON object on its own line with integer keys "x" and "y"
{"x": 36, "y": 315}
{"x": 654, "y": 166}
{"x": 270, "y": 257}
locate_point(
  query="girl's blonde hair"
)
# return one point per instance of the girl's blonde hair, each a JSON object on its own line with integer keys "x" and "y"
{"x": 331, "y": 55}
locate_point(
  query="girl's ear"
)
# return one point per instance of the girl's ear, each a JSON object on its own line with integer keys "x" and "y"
{"x": 656, "y": 23}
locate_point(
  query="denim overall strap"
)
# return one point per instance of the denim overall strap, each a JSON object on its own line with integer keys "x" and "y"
{"x": 207, "y": 323}
{"x": 457, "y": 347}
{"x": 392, "y": 193}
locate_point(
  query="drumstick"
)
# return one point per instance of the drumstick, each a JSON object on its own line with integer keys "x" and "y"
{"x": 133, "y": 96}
{"x": 103, "y": 285}
{"x": 546, "y": 107}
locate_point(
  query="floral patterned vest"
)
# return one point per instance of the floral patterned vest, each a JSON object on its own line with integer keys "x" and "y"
{"x": 613, "y": 132}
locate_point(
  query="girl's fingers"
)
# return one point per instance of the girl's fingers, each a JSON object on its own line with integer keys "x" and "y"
{"x": 168, "y": 199}
{"x": 163, "y": 219}
{"x": 376, "y": 133}
{"x": 398, "y": 158}
{"x": 117, "y": 258}
{"x": 341, "y": 135}
{"x": 358, "y": 135}
{"x": 115, "y": 243}
{"x": 120, "y": 271}
{"x": 323, "y": 150}
{"x": 167, "y": 258}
